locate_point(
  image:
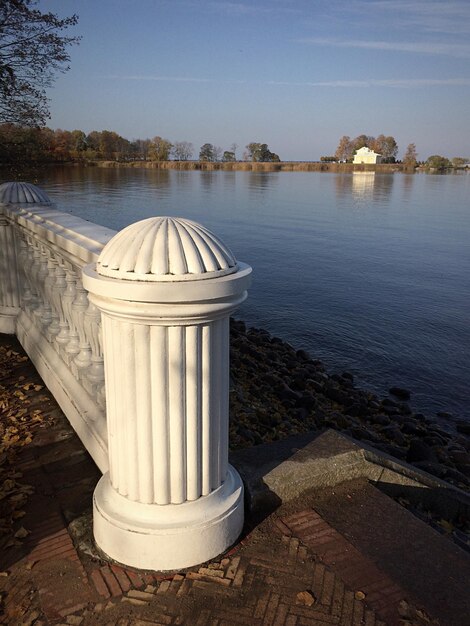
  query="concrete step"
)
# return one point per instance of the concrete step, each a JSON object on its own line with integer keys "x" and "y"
{"x": 429, "y": 566}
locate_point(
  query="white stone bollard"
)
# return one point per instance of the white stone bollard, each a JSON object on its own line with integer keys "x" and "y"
{"x": 15, "y": 194}
{"x": 166, "y": 288}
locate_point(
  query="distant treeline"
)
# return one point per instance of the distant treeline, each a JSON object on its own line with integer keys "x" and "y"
{"x": 36, "y": 146}
{"x": 19, "y": 144}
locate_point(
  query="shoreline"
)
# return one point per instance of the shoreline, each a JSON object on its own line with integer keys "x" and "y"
{"x": 239, "y": 166}
{"x": 253, "y": 166}
{"x": 277, "y": 391}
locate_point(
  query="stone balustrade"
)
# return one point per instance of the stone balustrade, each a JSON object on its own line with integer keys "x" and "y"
{"x": 130, "y": 331}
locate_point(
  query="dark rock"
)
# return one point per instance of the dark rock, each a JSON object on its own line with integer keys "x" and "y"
{"x": 390, "y": 449}
{"x": 463, "y": 427}
{"x": 381, "y": 420}
{"x": 390, "y": 409}
{"x": 461, "y": 459}
{"x": 399, "y": 392}
{"x": 337, "y": 395}
{"x": 405, "y": 408}
{"x": 455, "y": 475}
{"x": 361, "y": 433}
{"x": 339, "y": 420}
{"x": 432, "y": 440}
{"x": 238, "y": 325}
{"x": 412, "y": 428}
{"x": 419, "y": 451}
{"x": 355, "y": 410}
{"x": 393, "y": 433}
{"x": 316, "y": 386}
{"x": 348, "y": 376}
{"x": 303, "y": 355}
{"x": 248, "y": 435}
{"x": 286, "y": 393}
{"x": 306, "y": 401}
{"x": 445, "y": 415}
{"x": 389, "y": 403}
{"x": 298, "y": 383}
{"x": 432, "y": 468}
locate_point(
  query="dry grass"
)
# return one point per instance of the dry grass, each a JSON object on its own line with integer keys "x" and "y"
{"x": 251, "y": 166}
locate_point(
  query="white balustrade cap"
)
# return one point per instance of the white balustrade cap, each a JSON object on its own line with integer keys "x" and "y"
{"x": 164, "y": 249}
{"x": 22, "y": 193}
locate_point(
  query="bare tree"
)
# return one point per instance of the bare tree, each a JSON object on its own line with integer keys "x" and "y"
{"x": 31, "y": 51}
{"x": 182, "y": 150}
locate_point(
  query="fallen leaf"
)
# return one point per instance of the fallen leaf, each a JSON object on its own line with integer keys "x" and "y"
{"x": 305, "y": 598}
{"x": 360, "y": 595}
{"x": 21, "y": 533}
{"x": 446, "y": 525}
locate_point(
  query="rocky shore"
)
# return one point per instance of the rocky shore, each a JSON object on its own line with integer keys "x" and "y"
{"x": 277, "y": 391}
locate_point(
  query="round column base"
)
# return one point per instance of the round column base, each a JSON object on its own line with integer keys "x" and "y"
{"x": 171, "y": 536}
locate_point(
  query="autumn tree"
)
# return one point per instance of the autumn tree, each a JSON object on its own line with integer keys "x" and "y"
{"x": 362, "y": 141}
{"x": 32, "y": 49}
{"x": 63, "y": 143}
{"x": 159, "y": 149}
{"x": 411, "y": 156}
{"x": 387, "y": 147}
{"x": 109, "y": 144}
{"x": 182, "y": 150}
{"x": 345, "y": 149}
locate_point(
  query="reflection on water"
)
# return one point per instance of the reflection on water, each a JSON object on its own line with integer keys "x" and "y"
{"x": 371, "y": 273}
{"x": 365, "y": 186}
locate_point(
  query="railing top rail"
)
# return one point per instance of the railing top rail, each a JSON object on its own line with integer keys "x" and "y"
{"x": 80, "y": 239}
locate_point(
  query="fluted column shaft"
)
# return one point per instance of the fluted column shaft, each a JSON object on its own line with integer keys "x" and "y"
{"x": 167, "y": 424}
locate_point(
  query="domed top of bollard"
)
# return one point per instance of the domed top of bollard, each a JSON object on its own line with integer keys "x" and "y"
{"x": 160, "y": 249}
{"x": 22, "y": 193}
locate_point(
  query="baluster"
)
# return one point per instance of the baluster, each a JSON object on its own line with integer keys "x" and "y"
{"x": 43, "y": 275}
{"x": 58, "y": 293}
{"x": 25, "y": 291}
{"x": 29, "y": 272}
{"x": 72, "y": 347}
{"x": 83, "y": 359}
{"x": 50, "y": 284}
{"x": 95, "y": 374}
{"x": 35, "y": 277}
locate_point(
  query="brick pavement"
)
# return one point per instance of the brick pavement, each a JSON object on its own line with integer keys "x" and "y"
{"x": 293, "y": 569}
{"x": 258, "y": 583}
{"x": 51, "y": 582}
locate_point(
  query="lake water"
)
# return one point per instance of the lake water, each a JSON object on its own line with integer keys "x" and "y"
{"x": 368, "y": 272}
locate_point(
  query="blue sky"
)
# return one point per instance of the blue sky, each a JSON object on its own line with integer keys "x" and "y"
{"x": 295, "y": 74}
